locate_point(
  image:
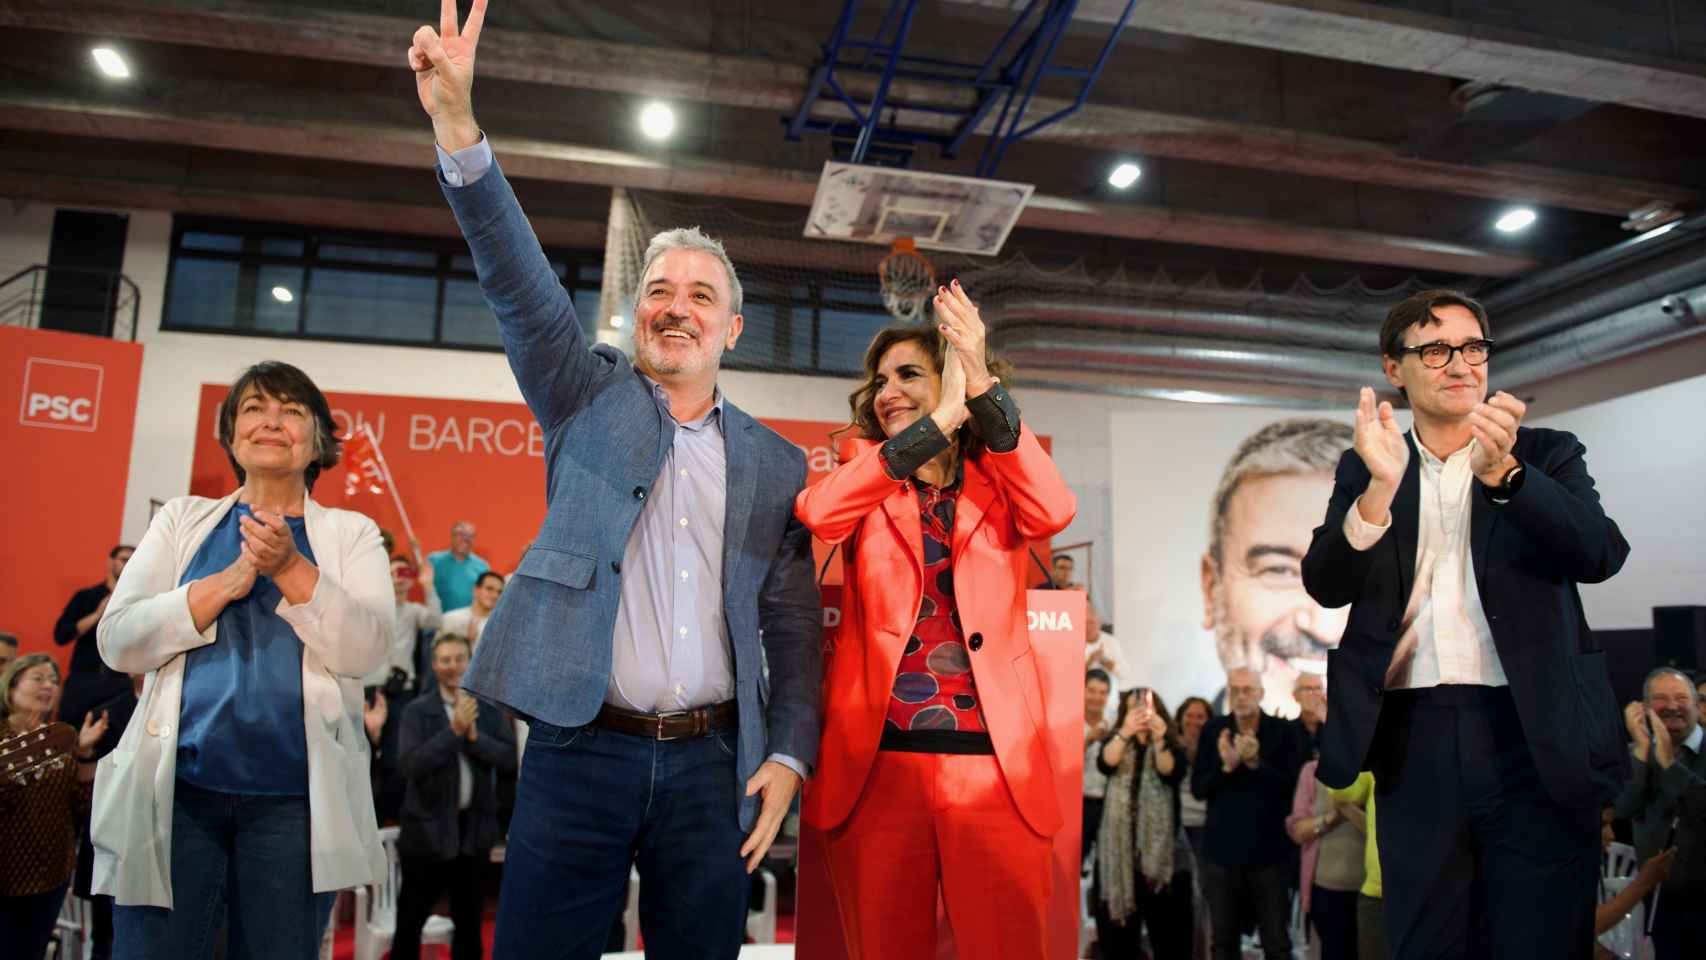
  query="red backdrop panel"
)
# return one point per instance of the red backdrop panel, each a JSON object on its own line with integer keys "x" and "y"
{"x": 1057, "y": 634}
{"x": 461, "y": 460}
{"x": 67, "y": 414}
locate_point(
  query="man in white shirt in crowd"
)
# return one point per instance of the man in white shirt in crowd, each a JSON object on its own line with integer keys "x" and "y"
{"x": 411, "y": 619}
{"x": 1467, "y": 680}
{"x": 470, "y": 620}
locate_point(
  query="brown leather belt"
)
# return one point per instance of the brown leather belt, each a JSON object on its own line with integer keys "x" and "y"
{"x": 669, "y": 726}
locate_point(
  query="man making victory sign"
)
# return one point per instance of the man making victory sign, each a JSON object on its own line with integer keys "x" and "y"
{"x": 662, "y": 634}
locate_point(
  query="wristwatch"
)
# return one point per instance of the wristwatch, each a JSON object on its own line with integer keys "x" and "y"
{"x": 1509, "y": 484}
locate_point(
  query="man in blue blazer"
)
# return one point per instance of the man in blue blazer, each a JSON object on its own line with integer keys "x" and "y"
{"x": 1467, "y": 679}
{"x": 663, "y": 633}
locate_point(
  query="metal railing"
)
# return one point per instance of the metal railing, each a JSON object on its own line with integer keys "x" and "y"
{"x": 109, "y": 300}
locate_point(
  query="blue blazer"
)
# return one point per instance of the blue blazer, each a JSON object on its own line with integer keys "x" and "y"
{"x": 546, "y": 651}
{"x": 1529, "y": 555}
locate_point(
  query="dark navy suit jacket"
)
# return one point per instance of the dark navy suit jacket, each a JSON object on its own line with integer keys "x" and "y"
{"x": 1529, "y": 555}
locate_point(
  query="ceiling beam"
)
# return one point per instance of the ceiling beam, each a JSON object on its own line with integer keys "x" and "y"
{"x": 411, "y": 147}
{"x": 759, "y": 84}
{"x": 1381, "y": 36}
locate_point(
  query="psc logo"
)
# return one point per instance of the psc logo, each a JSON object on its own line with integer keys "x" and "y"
{"x": 61, "y": 395}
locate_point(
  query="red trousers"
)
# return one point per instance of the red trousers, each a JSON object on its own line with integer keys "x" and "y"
{"x": 927, "y": 822}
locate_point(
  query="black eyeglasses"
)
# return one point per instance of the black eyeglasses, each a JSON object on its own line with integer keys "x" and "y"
{"x": 1438, "y": 353}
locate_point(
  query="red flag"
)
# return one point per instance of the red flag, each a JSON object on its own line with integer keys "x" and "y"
{"x": 366, "y": 472}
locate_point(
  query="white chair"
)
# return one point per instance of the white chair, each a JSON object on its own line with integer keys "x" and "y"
{"x": 1619, "y": 861}
{"x": 376, "y": 911}
{"x": 761, "y": 923}
{"x": 71, "y": 931}
{"x": 1628, "y": 939}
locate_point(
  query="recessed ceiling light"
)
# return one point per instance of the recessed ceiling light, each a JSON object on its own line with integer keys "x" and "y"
{"x": 1516, "y": 220}
{"x": 616, "y": 320}
{"x": 283, "y": 294}
{"x": 1124, "y": 175}
{"x": 108, "y": 61}
{"x": 657, "y": 121}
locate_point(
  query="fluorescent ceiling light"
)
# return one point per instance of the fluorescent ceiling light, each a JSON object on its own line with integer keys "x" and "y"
{"x": 657, "y": 121}
{"x": 1125, "y": 175}
{"x": 283, "y": 294}
{"x": 110, "y": 63}
{"x": 1515, "y": 221}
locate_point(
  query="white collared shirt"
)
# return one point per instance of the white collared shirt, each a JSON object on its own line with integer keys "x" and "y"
{"x": 1444, "y": 636}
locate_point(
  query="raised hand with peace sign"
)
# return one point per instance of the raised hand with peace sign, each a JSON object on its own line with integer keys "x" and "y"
{"x": 443, "y": 62}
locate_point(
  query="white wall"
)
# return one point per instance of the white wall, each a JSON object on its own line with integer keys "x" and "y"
{"x": 1647, "y": 454}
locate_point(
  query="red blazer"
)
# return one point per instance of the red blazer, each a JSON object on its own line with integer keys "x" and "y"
{"x": 1007, "y": 500}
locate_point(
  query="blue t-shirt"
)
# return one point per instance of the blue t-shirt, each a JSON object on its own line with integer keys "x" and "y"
{"x": 454, "y": 579}
{"x": 240, "y": 728}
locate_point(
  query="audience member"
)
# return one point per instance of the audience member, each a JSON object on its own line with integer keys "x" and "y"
{"x": 1355, "y": 804}
{"x": 1699, "y": 700}
{"x": 1612, "y": 909}
{"x": 449, "y": 748}
{"x": 93, "y": 687}
{"x": 1310, "y": 692}
{"x": 1061, "y": 568}
{"x": 1096, "y": 689}
{"x": 397, "y": 673}
{"x": 457, "y": 570}
{"x": 1194, "y": 714}
{"x": 1142, "y": 876}
{"x": 1669, "y": 759}
{"x": 89, "y": 683}
{"x": 1247, "y": 781}
{"x": 470, "y": 621}
{"x": 40, "y": 812}
{"x": 1331, "y": 867}
{"x": 242, "y": 786}
{"x": 8, "y": 649}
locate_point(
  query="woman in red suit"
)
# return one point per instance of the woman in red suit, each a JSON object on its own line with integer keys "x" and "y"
{"x": 933, "y": 771}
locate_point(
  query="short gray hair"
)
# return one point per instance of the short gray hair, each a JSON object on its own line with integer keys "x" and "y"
{"x": 689, "y": 238}
{"x": 1302, "y": 445}
{"x": 1647, "y": 684}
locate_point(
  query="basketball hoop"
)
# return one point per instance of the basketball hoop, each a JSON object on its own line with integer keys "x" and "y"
{"x": 907, "y": 280}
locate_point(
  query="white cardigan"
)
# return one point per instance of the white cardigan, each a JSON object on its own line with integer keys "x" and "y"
{"x": 345, "y": 629}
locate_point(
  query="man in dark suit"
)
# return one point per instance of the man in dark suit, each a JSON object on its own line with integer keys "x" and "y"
{"x": 663, "y": 634}
{"x": 1467, "y": 680}
{"x": 449, "y": 752}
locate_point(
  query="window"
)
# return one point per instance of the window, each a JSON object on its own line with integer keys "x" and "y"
{"x": 277, "y": 280}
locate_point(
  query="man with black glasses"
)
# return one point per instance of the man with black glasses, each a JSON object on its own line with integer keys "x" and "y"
{"x": 1467, "y": 679}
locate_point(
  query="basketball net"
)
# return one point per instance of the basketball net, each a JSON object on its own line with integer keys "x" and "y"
{"x": 907, "y": 280}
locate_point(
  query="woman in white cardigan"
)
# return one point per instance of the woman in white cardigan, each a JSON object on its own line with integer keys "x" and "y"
{"x": 240, "y": 788}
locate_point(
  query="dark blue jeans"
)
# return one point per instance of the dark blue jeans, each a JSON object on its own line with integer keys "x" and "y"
{"x": 240, "y": 860}
{"x": 592, "y": 802}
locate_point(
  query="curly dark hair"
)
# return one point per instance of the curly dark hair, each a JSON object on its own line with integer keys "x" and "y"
{"x": 282, "y": 382}
{"x": 862, "y": 402}
{"x": 1172, "y": 737}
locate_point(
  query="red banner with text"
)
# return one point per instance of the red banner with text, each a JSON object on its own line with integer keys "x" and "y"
{"x": 454, "y": 460}
{"x": 67, "y": 413}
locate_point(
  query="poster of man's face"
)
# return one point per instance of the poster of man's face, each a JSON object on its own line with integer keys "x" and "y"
{"x": 1271, "y": 496}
